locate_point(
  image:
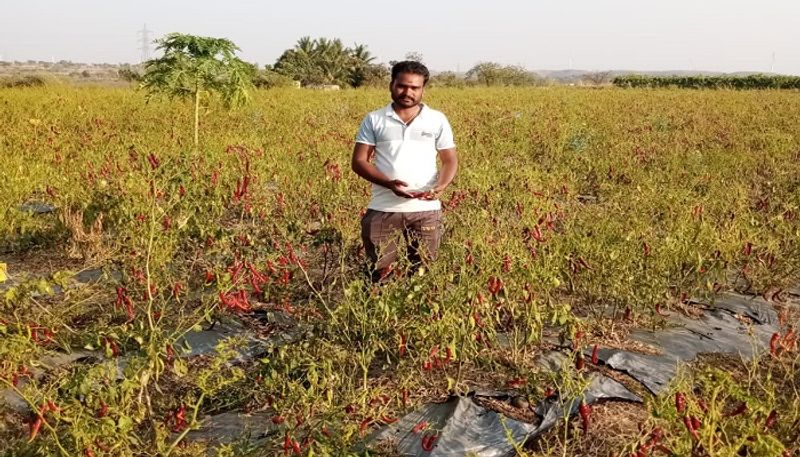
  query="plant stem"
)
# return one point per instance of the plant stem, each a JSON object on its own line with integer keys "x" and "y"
{"x": 150, "y": 242}
{"x": 34, "y": 408}
{"x": 189, "y": 427}
{"x": 196, "y": 114}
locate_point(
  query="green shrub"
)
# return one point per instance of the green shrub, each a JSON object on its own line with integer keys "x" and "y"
{"x": 23, "y": 81}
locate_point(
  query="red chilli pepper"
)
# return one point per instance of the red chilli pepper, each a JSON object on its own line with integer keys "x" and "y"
{"x": 364, "y": 425}
{"x": 180, "y": 419}
{"x": 656, "y": 435}
{"x": 585, "y": 412}
{"x": 595, "y": 355}
{"x": 687, "y": 421}
{"x": 52, "y": 406}
{"x": 579, "y": 362}
{"x": 771, "y": 419}
{"x": 153, "y": 161}
{"x": 495, "y": 285}
{"x": 774, "y": 350}
{"x": 428, "y": 442}
{"x": 402, "y": 349}
{"x": 789, "y": 340}
{"x": 34, "y": 428}
{"x": 660, "y": 312}
{"x": 628, "y": 316}
{"x": 420, "y": 427}
{"x": 103, "y": 409}
{"x": 741, "y": 409}
{"x": 680, "y": 401}
{"x": 643, "y": 450}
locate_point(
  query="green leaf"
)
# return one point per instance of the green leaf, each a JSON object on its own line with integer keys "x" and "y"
{"x": 180, "y": 368}
{"x": 124, "y": 423}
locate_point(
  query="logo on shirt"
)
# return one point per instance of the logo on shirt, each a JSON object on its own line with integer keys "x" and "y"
{"x": 427, "y": 134}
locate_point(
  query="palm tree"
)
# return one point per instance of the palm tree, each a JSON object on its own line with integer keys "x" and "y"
{"x": 361, "y": 62}
{"x": 325, "y": 61}
{"x": 361, "y": 55}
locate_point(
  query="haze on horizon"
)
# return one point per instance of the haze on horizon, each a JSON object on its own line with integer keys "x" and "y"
{"x": 708, "y": 35}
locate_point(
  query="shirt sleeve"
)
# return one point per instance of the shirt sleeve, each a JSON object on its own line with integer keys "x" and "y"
{"x": 366, "y": 133}
{"x": 444, "y": 140}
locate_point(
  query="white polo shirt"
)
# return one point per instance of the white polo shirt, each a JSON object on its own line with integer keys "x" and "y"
{"x": 406, "y": 152}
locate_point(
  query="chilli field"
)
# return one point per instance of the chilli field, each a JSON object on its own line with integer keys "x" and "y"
{"x": 576, "y": 216}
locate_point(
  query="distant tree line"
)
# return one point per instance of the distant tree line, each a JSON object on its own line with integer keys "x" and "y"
{"x": 326, "y": 62}
{"x": 758, "y": 81}
{"x": 323, "y": 61}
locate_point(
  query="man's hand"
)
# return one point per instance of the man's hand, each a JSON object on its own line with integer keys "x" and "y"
{"x": 432, "y": 194}
{"x": 446, "y": 174}
{"x": 399, "y": 188}
{"x": 360, "y": 164}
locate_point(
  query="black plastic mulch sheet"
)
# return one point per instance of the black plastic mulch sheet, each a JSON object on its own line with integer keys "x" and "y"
{"x": 732, "y": 324}
{"x": 756, "y": 308}
{"x": 462, "y": 427}
{"x": 47, "y": 363}
{"x": 36, "y": 208}
{"x": 82, "y": 278}
{"x": 233, "y": 426}
{"x": 717, "y": 331}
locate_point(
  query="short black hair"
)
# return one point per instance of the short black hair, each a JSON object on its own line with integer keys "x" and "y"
{"x": 411, "y": 66}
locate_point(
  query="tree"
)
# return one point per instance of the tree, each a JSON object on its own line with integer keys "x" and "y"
{"x": 494, "y": 74}
{"x": 328, "y": 61}
{"x": 129, "y": 74}
{"x": 447, "y": 79}
{"x": 598, "y": 78}
{"x": 194, "y": 66}
{"x": 415, "y": 56}
{"x": 360, "y": 65}
{"x": 268, "y": 78}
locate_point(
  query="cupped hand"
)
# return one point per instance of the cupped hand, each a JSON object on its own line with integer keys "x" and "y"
{"x": 432, "y": 194}
{"x": 399, "y": 188}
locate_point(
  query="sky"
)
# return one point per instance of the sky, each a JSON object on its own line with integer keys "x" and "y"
{"x": 595, "y": 35}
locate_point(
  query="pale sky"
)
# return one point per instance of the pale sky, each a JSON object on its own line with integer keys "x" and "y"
{"x": 713, "y": 35}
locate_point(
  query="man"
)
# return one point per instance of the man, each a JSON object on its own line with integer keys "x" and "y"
{"x": 405, "y": 138}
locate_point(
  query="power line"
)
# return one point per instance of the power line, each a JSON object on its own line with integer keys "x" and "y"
{"x": 144, "y": 43}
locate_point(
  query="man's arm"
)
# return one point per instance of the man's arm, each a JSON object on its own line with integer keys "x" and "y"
{"x": 363, "y": 167}
{"x": 447, "y": 172}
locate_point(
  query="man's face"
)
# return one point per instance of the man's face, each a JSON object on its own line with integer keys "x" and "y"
{"x": 407, "y": 90}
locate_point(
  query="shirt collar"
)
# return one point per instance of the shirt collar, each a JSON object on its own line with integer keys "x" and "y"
{"x": 390, "y": 111}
